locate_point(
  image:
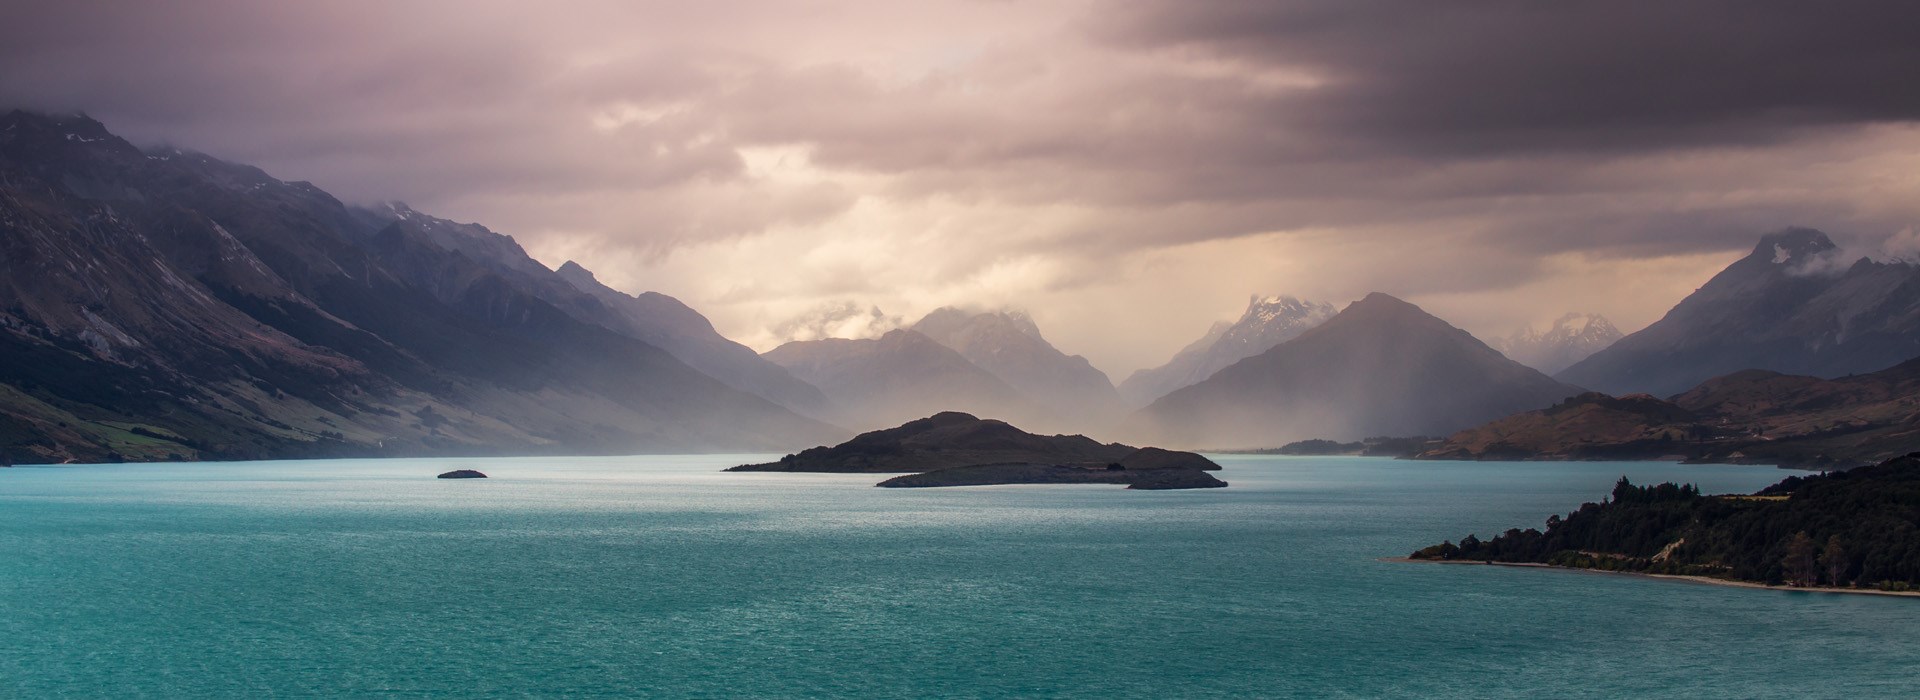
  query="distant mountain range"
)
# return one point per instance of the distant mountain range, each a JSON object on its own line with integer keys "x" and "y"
{"x": 165, "y": 304}
{"x": 1382, "y": 366}
{"x": 1791, "y": 306}
{"x": 1268, "y": 321}
{"x": 1067, "y": 388}
{"x": 897, "y": 377}
{"x": 675, "y": 327}
{"x": 991, "y": 363}
{"x": 1573, "y": 338}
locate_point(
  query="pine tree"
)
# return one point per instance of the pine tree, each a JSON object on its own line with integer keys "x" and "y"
{"x": 1834, "y": 560}
{"x": 1798, "y": 566}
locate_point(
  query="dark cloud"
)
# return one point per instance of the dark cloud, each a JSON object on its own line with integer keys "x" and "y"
{"x": 1590, "y": 75}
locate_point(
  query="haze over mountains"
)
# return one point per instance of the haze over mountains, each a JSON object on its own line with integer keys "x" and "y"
{"x": 1008, "y": 344}
{"x": 162, "y": 304}
{"x": 991, "y": 363}
{"x": 675, "y": 327}
{"x": 897, "y": 377}
{"x": 1572, "y": 338}
{"x": 1381, "y": 366}
{"x": 167, "y": 304}
{"x": 1268, "y": 321}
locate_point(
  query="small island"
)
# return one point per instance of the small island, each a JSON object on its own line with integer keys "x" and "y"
{"x": 1842, "y": 531}
{"x": 959, "y": 449}
{"x": 462, "y": 474}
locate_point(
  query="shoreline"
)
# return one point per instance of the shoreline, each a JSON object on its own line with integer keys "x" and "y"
{"x": 1681, "y": 578}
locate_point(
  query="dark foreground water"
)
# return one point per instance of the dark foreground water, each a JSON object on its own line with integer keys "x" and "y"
{"x": 660, "y": 576}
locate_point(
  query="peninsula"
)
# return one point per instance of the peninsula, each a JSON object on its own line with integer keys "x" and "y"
{"x": 1848, "y": 530}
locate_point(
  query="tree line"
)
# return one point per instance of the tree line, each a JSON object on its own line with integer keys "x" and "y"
{"x": 1857, "y": 528}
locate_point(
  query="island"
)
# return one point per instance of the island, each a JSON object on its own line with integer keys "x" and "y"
{"x": 959, "y": 449}
{"x": 1844, "y": 531}
{"x": 462, "y": 474}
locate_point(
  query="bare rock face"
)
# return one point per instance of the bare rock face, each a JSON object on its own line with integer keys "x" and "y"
{"x": 463, "y": 474}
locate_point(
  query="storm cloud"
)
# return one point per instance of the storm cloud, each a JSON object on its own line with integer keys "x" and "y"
{"x": 1127, "y": 171}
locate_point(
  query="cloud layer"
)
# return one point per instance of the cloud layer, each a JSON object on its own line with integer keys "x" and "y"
{"x": 1128, "y": 171}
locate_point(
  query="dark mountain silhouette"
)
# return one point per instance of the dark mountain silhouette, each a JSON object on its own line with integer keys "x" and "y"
{"x": 1380, "y": 367}
{"x": 1792, "y": 306}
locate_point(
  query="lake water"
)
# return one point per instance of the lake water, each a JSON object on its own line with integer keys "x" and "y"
{"x": 661, "y": 576}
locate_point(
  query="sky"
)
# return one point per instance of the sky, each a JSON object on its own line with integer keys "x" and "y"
{"x": 1128, "y": 172}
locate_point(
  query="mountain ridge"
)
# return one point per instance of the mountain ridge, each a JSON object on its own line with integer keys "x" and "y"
{"x": 185, "y": 307}
{"x": 1072, "y": 393}
{"x": 1572, "y": 337}
{"x": 1381, "y": 366}
{"x": 1792, "y": 305}
{"x": 1267, "y": 321}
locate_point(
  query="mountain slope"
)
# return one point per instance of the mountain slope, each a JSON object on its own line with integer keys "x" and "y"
{"x": 1267, "y": 322}
{"x": 1379, "y": 367}
{"x": 897, "y": 377}
{"x": 1073, "y": 393}
{"x": 1573, "y": 337}
{"x": 653, "y": 318}
{"x": 1749, "y": 416}
{"x": 675, "y": 327}
{"x": 235, "y": 315}
{"x": 1789, "y": 306}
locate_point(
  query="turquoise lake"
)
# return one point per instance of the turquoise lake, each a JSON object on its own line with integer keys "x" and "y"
{"x": 664, "y": 577}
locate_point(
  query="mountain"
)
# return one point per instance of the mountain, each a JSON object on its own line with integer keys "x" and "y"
{"x": 1573, "y": 337}
{"x": 1749, "y": 416}
{"x": 1268, "y": 321}
{"x": 675, "y": 327}
{"x": 166, "y": 304}
{"x": 651, "y": 317}
{"x": 1792, "y": 305}
{"x": 896, "y": 377}
{"x": 1073, "y": 394}
{"x": 958, "y": 449}
{"x": 1382, "y": 366}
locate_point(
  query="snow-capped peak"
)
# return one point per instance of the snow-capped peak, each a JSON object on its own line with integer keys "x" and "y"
{"x": 1571, "y": 339}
